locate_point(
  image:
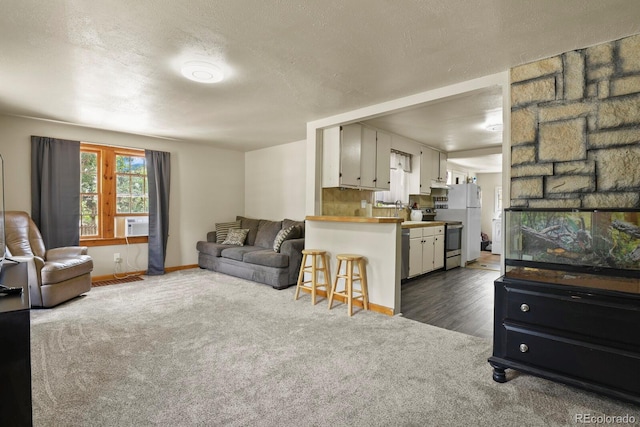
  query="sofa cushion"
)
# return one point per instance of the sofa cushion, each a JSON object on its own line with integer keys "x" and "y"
{"x": 236, "y": 237}
{"x": 237, "y": 252}
{"x": 222, "y": 230}
{"x": 267, "y": 258}
{"x": 267, "y": 232}
{"x": 252, "y": 225}
{"x": 292, "y": 232}
{"x": 210, "y": 248}
{"x": 286, "y": 223}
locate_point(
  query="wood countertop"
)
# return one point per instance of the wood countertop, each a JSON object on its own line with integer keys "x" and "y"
{"x": 362, "y": 219}
{"x": 376, "y": 220}
{"x": 417, "y": 224}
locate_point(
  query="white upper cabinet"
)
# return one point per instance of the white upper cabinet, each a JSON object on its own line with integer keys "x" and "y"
{"x": 383, "y": 159}
{"x": 331, "y": 157}
{"x": 426, "y": 169}
{"x": 436, "y": 169}
{"x": 435, "y": 165}
{"x": 368, "y": 158}
{"x": 352, "y": 156}
{"x": 442, "y": 176}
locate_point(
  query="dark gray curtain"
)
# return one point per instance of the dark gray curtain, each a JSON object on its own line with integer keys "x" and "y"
{"x": 55, "y": 190}
{"x": 159, "y": 176}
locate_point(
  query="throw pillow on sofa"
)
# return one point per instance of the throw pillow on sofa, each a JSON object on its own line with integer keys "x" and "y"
{"x": 222, "y": 229}
{"x": 236, "y": 237}
{"x": 292, "y": 232}
{"x": 286, "y": 223}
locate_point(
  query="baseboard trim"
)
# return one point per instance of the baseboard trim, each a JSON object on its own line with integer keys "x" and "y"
{"x": 141, "y": 272}
{"x": 372, "y": 307}
{"x": 181, "y": 267}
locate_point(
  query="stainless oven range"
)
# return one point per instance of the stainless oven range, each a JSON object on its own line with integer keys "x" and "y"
{"x": 453, "y": 244}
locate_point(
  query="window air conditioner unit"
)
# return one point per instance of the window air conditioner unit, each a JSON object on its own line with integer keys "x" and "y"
{"x": 132, "y": 226}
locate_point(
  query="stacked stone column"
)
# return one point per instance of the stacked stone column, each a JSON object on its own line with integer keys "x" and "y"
{"x": 575, "y": 129}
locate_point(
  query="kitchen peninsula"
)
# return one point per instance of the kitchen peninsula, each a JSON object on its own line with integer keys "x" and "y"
{"x": 378, "y": 239}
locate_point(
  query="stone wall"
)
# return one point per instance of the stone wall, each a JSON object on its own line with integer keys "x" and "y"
{"x": 575, "y": 129}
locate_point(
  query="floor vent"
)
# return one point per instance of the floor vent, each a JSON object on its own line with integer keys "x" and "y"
{"x": 117, "y": 281}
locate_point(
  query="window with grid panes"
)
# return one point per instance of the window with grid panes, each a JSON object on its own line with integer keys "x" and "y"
{"x": 113, "y": 184}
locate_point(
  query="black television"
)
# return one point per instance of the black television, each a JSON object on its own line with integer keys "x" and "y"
{"x": 3, "y": 241}
{"x": 4, "y": 290}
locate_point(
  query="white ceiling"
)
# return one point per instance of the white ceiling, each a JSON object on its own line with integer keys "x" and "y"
{"x": 460, "y": 125}
{"x": 114, "y": 64}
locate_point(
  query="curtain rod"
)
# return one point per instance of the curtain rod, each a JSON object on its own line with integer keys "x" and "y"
{"x": 124, "y": 147}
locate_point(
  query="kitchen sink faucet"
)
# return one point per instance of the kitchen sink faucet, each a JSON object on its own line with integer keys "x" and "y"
{"x": 398, "y": 207}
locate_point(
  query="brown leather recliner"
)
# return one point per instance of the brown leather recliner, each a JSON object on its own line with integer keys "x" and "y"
{"x": 55, "y": 275}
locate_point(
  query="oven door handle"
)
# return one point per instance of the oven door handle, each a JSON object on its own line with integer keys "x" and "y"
{"x": 454, "y": 226}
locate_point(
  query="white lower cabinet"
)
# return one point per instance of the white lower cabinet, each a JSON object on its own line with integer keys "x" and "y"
{"x": 426, "y": 249}
{"x": 438, "y": 249}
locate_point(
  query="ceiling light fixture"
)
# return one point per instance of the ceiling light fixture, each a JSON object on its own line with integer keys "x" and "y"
{"x": 202, "y": 72}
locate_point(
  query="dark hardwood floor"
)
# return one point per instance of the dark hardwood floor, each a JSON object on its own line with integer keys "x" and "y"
{"x": 460, "y": 300}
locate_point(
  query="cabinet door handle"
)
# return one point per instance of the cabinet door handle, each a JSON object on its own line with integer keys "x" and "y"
{"x": 524, "y": 348}
{"x": 524, "y": 308}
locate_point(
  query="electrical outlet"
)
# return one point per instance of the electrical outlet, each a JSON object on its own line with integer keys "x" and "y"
{"x": 116, "y": 257}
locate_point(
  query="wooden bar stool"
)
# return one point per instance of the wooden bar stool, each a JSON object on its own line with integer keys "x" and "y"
{"x": 349, "y": 277}
{"x": 318, "y": 257}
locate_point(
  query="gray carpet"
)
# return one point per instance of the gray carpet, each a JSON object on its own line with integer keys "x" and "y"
{"x": 200, "y": 348}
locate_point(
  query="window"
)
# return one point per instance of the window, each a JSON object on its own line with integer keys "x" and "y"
{"x": 113, "y": 183}
{"x": 131, "y": 185}
{"x": 399, "y": 176}
{"x": 89, "y": 193}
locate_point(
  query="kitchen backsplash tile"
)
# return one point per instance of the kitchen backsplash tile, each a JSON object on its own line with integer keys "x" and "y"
{"x": 344, "y": 202}
{"x": 347, "y": 202}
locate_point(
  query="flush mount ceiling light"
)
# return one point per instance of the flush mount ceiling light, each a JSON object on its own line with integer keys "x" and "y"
{"x": 202, "y": 72}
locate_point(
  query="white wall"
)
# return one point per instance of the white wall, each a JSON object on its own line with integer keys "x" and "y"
{"x": 488, "y": 182}
{"x": 275, "y": 182}
{"x": 207, "y": 185}
{"x": 458, "y": 172}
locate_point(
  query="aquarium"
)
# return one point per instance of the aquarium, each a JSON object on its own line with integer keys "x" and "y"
{"x": 598, "y": 248}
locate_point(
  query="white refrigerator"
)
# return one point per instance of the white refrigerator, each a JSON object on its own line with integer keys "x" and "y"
{"x": 462, "y": 196}
{"x": 464, "y": 205}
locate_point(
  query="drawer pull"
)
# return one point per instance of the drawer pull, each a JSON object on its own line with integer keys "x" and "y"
{"x": 524, "y": 348}
{"x": 524, "y": 308}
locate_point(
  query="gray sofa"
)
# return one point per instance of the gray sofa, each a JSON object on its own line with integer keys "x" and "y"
{"x": 256, "y": 260}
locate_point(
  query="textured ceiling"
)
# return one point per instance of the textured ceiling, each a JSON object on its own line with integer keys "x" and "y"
{"x": 114, "y": 64}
